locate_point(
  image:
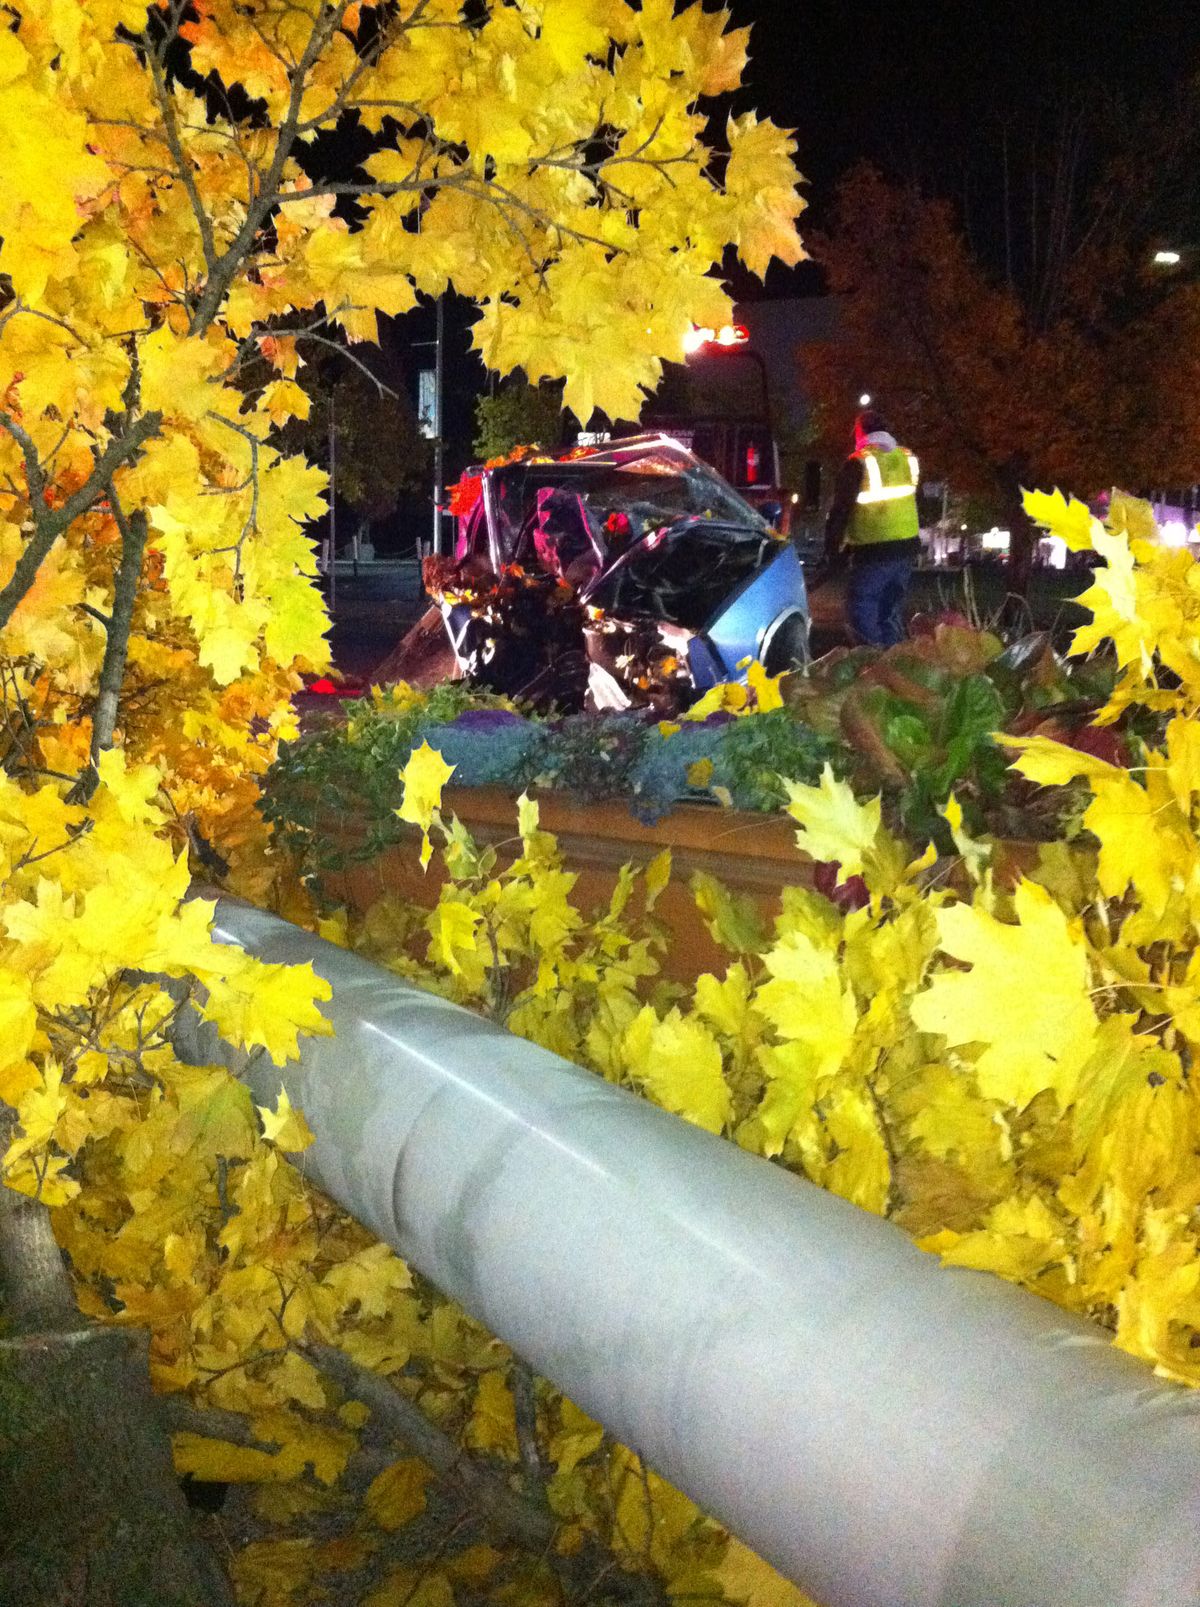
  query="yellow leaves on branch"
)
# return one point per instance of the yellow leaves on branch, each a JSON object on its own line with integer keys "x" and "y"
{"x": 423, "y": 778}
{"x": 171, "y": 262}
{"x": 114, "y": 907}
{"x": 1003, "y": 1067}
{"x": 1142, "y": 599}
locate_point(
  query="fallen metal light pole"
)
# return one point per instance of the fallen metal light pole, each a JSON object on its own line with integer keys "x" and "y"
{"x": 886, "y": 1432}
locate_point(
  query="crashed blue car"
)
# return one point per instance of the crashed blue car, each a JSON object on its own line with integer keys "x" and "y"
{"x": 629, "y": 576}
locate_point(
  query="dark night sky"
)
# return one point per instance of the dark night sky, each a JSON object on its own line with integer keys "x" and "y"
{"x": 921, "y": 86}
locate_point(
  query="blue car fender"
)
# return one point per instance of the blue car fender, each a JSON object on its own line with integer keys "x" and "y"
{"x": 748, "y": 622}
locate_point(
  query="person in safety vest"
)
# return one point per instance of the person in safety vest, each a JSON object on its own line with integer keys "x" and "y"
{"x": 873, "y": 521}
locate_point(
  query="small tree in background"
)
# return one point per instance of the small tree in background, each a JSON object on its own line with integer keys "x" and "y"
{"x": 518, "y": 414}
{"x": 381, "y": 452}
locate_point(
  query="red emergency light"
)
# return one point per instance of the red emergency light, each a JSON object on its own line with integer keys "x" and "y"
{"x": 727, "y": 335}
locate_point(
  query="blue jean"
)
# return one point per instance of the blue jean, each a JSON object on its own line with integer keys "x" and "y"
{"x": 875, "y": 599}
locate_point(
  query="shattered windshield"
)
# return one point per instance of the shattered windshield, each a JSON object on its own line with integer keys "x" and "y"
{"x": 607, "y": 497}
{"x": 686, "y": 579}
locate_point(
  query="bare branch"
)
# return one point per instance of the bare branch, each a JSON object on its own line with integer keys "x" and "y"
{"x": 178, "y": 1416}
{"x": 344, "y": 351}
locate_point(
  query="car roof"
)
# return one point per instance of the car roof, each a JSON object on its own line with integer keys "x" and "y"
{"x": 615, "y": 454}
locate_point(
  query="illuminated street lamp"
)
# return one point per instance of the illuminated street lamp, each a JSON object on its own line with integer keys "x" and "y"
{"x": 1167, "y": 259}
{"x": 865, "y": 399}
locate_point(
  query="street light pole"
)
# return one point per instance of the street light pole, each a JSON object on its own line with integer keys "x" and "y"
{"x": 332, "y": 501}
{"x": 439, "y": 449}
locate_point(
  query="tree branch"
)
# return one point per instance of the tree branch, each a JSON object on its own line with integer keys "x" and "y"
{"x": 183, "y": 165}
{"x": 49, "y": 523}
{"x": 344, "y": 351}
{"x": 527, "y": 1524}
{"x": 221, "y": 276}
{"x": 178, "y": 1415}
{"x": 120, "y": 622}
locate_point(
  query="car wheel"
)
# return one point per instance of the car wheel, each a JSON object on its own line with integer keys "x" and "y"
{"x": 785, "y": 644}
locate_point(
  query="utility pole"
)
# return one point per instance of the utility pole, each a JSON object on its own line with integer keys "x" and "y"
{"x": 439, "y": 450}
{"x": 332, "y": 502}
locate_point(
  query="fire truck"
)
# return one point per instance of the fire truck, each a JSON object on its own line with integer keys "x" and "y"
{"x": 718, "y": 405}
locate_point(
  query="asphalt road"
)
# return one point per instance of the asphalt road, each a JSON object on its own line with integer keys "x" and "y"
{"x": 371, "y": 612}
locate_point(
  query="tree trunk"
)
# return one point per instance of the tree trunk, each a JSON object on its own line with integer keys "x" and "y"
{"x": 91, "y": 1513}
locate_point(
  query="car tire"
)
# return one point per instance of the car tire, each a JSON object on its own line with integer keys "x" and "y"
{"x": 785, "y": 644}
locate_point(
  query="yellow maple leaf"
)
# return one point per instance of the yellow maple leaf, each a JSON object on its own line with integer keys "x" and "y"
{"x": 1021, "y": 1239}
{"x": 1116, "y": 608}
{"x": 1067, "y": 518}
{"x": 254, "y": 1004}
{"x": 1051, "y": 763}
{"x": 678, "y": 1062}
{"x": 657, "y": 877}
{"x": 285, "y": 1126}
{"x": 423, "y": 778}
{"x": 1032, "y": 1038}
{"x": 860, "y": 1170}
{"x": 767, "y": 695}
{"x": 725, "y": 1003}
{"x": 180, "y": 373}
{"x": 452, "y": 927}
{"x": 219, "y": 1461}
{"x": 576, "y": 1438}
{"x": 370, "y": 1280}
{"x": 807, "y": 1001}
{"x": 833, "y": 824}
{"x": 761, "y": 178}
{"x": 215, "y": 1112}
{"x": 284, "y": 399}
{"x": 493, "y": 1423}
{"x": 1132, "y": 516}
{"x": 528, "y": 817}
{"x": 18, "y": 1023}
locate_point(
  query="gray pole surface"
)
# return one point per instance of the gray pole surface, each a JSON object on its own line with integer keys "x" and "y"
{"x": 887, "y": 1432}
{"x": 439, "y": 447}
{"x": 332, "y": 502}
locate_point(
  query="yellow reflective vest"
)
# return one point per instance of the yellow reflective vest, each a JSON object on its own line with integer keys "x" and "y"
{"x": 886, "y": 507}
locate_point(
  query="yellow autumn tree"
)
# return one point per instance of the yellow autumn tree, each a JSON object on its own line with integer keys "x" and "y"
{"x": 168, "y": 220}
